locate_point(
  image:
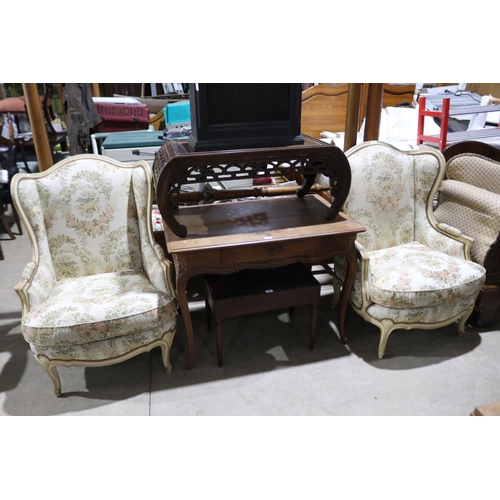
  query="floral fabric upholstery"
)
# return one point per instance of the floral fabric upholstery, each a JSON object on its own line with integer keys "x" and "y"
{"x": 107, "y": 349}
{"x": 434, "y": 316}
{"x": 410, "y": 271}
{"x": 99, "y": 286}
{"x": 90, "y": 219}
{"x": 413, "y": 275}
{"x": 382, "y": 197}
{"x": 99, "y": 307}
{"x": 390, "y": 198}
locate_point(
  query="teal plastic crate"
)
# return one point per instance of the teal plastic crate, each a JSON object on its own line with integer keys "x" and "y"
{"x": 177, "y": 112}
{"x": 139, "y": 139}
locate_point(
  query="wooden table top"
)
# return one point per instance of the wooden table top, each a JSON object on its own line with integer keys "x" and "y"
{"x": 256, "y": 220}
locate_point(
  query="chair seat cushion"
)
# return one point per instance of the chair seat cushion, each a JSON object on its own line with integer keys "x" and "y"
{"x": 98, "y": 307}
{"x": 413, "y": 276}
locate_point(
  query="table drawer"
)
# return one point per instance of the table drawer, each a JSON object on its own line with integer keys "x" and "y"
{"x": 272, "y": 250}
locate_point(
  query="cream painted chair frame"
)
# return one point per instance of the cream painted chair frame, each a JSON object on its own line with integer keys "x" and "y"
{"x": 449, "y": 240}
{"x": 152, "y": 261}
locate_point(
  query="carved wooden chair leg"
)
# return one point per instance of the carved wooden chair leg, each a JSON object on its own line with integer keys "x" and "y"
{"x": 165, "y": 350}
{"x": 463, "y": 320}
{"x": 386, "y": 329}
{"x": 51, "y": 368}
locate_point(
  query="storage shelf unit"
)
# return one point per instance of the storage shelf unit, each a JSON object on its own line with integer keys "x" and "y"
{"x": 445, "y": 138}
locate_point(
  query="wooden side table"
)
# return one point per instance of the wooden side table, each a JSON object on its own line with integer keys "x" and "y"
{"x": 259, "y": 234}
{"x": 253, "y": 291}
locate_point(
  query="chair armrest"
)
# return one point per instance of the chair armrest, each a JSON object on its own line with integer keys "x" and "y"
{"x": 22, "y": 287}
{"x": 154, "y": 263}
{"x": 364, "y": 274}
{"x": 446, "y": 239}
{"x": 157, "y": 268}
{"x": 446, "y": 228}
{"x": 169, "y": 272}
{"x": 443, "y": 238}
{"x": 31, "y": 291}
{"x": 360, "y": 250}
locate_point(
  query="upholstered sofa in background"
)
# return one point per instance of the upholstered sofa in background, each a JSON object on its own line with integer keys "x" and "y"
{"x": 469, "y": 200}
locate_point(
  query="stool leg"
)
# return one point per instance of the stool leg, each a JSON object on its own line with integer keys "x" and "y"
{"x": 312, "y": 333}
{"x": 208, "y": 312}
{"x": 25, "y": 161}
{"x": 218, "y": 336}
{"x": 16, "y": 218}
{"x": 7, "y": 227}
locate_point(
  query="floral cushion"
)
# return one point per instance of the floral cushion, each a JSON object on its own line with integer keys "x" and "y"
{"x": 419, "y": 315}
{"x": 413, "y": 276}
{"x": 99, "y": 307}
{"x": 108, "y": 348}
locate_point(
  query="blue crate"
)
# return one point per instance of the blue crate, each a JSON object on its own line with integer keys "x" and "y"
{"x": 177, "y": 112}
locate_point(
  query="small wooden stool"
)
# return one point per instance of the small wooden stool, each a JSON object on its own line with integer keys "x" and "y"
{"x": 252, "y": 291}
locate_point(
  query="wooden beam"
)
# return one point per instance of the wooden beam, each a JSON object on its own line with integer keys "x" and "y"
{"x": 37, "y": 123}
{"x": 373, "y": 111}
{"x": 352, "y": 115}
{"x": 95, "y": 90}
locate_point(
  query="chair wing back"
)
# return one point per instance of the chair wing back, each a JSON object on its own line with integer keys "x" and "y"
{"x": 84, "y": 216}
{"x": 429, "y": 171}
{"x": 27, "y": 200}
{"x": 392, "y": 193}
{"x": 382, "y": 194}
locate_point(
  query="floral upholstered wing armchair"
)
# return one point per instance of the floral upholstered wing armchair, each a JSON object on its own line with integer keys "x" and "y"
{"x": 411, "y": 273}
{"x": 98, "y": 289}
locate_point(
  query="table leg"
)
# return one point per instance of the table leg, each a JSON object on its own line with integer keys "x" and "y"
{"x": 346, "y": 291}
{"x": 180, "y": 284}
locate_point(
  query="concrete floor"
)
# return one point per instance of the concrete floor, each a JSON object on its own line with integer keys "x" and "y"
{"x": 268, "y": 368}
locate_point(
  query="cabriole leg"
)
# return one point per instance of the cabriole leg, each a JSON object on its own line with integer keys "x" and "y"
{"x": 51, "y": 369}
